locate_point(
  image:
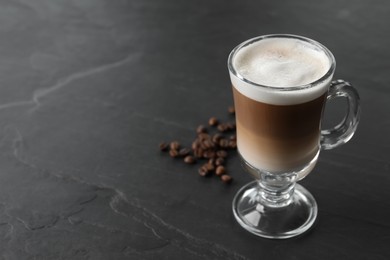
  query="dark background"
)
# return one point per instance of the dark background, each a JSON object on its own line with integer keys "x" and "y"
{"x": 88, "y": 89}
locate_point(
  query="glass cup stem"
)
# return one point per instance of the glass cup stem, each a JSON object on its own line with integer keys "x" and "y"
{"x": 276, "y": 196}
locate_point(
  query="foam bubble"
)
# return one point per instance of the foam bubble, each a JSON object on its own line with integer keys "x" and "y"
{"x": 281, "y": 63}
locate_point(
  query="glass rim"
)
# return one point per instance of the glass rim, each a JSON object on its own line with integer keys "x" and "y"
{"x": 327, "y": 52}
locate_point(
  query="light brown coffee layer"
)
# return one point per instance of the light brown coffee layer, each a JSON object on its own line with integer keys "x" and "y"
{"x": 277, "y": 138}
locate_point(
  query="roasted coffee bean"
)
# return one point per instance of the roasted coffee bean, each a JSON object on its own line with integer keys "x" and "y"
{"x": 203, "y": 171}
{"x": 163, "y": 146}
{"x": 226, "y": 178}
{"x": 224, "y": 143}
{"x": 198, "y": 153}
{"x": 201, "y": 129}
{"x": 233, "y": 144}
{"x": 213, "y": 121}
{"x": 203, "y": 136}
{"x": 231, "y": 110}
{"x": 189, "y": 159}
{"x": 231, "y": 126}
{"x": 220, "y": 170}
{"x": 195, "y": 145}
{"x": 208, "y": 154}
{"x": 208, "y": 143}
{"x": 175, "y": 145}
{"x": 222, "y": 153}
{"x": 211, "y": 161}
{"x": 216, "y": 138}
{"x": 219, "y": 161}
{"x": 203, "y": 146}
{"x": 208, "y": 166}
{"x": 173, "y": 153}
{"x": 222, "y": 128}
{"x": 233, "y": 137}
{"x": 184, "y": 152}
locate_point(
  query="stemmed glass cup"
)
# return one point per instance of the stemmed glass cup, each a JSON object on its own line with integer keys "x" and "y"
{"x": 279, "y": 139}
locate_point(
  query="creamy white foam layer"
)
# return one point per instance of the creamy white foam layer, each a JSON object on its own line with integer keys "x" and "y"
{"x": 281, "y": 63}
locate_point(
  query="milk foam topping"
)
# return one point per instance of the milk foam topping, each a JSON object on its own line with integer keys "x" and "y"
{"x": 279, "y": 64}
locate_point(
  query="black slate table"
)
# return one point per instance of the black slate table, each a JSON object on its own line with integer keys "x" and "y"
{"x": 88, "y": 89}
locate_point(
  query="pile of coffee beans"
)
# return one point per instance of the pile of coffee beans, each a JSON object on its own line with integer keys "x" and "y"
{"x": 210, "y": 148}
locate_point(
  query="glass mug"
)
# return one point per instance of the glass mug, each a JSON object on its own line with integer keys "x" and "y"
{"x": 281, "y": 84}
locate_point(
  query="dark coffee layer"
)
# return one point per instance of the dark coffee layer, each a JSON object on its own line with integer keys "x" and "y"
{"x": 275, "y": 137}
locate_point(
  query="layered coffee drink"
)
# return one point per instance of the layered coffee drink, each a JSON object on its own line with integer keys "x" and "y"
{"x": 279, "y": 87}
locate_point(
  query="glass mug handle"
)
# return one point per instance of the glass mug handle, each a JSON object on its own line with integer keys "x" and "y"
{"x": 343, "y": 132}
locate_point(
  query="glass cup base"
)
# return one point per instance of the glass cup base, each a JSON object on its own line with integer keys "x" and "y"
{"x": 269, "y": 221}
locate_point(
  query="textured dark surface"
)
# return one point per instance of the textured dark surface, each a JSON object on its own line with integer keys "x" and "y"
{"x": 88, "y": 89}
